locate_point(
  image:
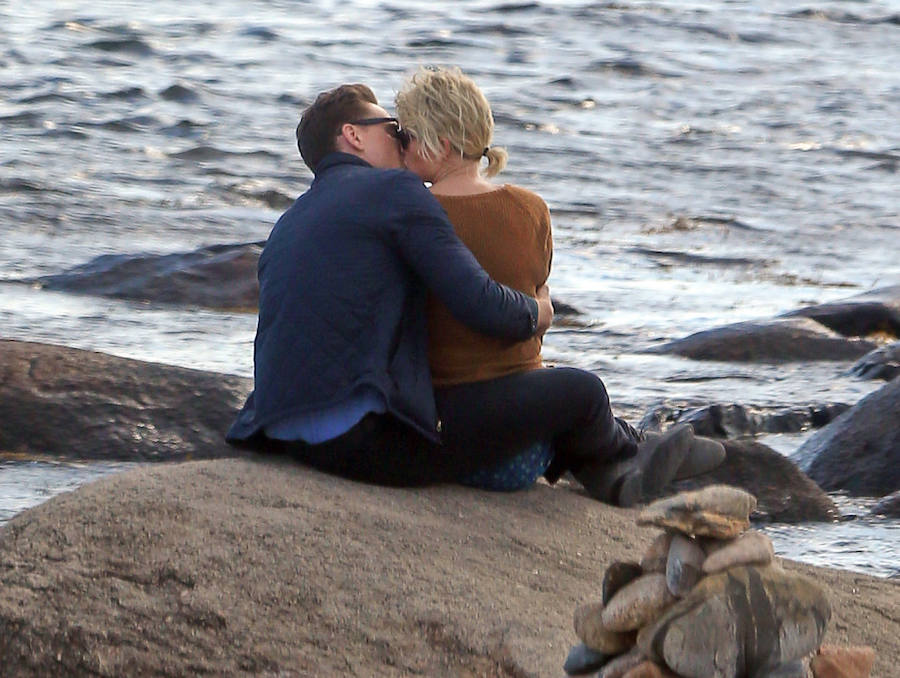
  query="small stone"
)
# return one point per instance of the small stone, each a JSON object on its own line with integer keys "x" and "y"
{"x": 616, "y": 576}
{"x": 843, "y": 662}
{"x": 638, "y": 603}
{"x": 751, "y": 548}
{"x": 648, "y": 669}
{"x": 618, "y": 667}
{"x": 739, "y": 621}
{"x": 582, "y": 660}
{"x": 657, "y": 555}
{"x": 684, "y": 566}
{"x": 591, "y": 630}
{"x": 718, "y": 511}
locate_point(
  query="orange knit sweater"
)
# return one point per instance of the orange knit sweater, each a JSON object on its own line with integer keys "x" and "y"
{"x": 508, "y": 231}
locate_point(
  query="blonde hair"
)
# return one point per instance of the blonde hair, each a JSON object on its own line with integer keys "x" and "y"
{"x": 443, "y": 103}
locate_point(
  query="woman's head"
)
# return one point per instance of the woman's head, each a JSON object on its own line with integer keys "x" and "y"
{"x": 437, "y": 104}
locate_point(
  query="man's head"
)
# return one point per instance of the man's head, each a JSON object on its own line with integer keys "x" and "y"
{"x": 348, "y": 119}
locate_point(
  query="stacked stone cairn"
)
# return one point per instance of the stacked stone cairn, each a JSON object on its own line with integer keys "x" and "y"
{"x": 708, "y": 600}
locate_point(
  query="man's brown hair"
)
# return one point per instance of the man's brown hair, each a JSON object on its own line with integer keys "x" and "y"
{"x": 321, "y": 123}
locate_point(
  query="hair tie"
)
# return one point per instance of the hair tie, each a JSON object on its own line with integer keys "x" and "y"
{"x": 485, "y": 151}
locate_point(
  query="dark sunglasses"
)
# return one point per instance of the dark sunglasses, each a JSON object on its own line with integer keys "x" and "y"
{"x": 396, "y": 131}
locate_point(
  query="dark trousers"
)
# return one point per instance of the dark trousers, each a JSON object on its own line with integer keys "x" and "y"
{"x": 483, "y": 424}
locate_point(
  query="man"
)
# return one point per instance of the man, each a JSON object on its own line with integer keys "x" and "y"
{"x": 340, "y": 358}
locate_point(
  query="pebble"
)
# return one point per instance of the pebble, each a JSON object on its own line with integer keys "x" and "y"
{"x": 657, "y": 555}
{"x": 621, "y": 665}
{"x": 843, "y": 662}
{"x": 638, "y": 603}
{"x": 583, "y": 660}
{"x": 719, "y": 511}
{"x": 648, "y": 669}
{"x": 738, "y": 622}
{"x": 751, "y": 548}
{"x": 684, "y": 566}
{"x": 616, "y": 576}
{"x": 593, "y": 632}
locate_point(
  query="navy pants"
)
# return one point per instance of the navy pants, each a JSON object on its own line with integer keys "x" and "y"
{"x": 484, "y": 424}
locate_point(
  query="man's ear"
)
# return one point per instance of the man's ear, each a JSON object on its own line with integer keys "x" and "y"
{"x": 349, "y": 139}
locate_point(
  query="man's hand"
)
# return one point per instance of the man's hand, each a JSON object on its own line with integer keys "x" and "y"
{"x": 545, "y": 309}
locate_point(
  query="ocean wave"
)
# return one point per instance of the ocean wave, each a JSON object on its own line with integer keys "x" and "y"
{"x": 202, "y": 153}
{"x": 180, "y": 93}
{"x": 133, "y": 46}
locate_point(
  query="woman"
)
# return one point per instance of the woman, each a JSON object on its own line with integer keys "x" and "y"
{"x": 550, "y": 420}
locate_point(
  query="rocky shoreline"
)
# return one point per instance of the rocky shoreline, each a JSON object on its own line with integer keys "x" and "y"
{"x": 263, "y": 567}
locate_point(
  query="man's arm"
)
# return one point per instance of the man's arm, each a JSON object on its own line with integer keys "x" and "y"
{"x": 428, "y": 243}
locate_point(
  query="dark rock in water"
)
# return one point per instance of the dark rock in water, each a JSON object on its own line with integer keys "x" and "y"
{"x": 746, "y": 621}
{"x": 616, "y": 576}
{"x": 882, "y": 363}
{"x": 859, "y": 452}
{"x": 76, "y": 404}
{"x": 889, "y": 506}
{"x": 783, "y": 492}
{"x": 733, "y": 421}
{"x": 772, "y": 341}
{"x": 583, "y": 660}
{"x": 220, "y": 276}
{"x": 875, "y": 312}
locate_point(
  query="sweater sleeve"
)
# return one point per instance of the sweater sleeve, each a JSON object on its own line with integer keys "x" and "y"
{"x": 427, "y": 242}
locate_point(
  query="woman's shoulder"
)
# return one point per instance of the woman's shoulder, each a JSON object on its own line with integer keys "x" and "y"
{"x": 528, "y": 199}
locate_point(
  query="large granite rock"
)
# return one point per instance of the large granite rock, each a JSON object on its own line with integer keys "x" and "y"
{"x": 873, "y": 312}
{"x": 219, "y": 276}
{"x": 784, "y": 493}
{"x": 70, "y": 403}
{"x": 769, "y": 341}
{"x": 746, "y": 621}
{"x": 859, "y": 452}
{"x": 237, "y": 567}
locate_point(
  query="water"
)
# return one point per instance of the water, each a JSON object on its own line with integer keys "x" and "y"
{"x": 768, "y": 127}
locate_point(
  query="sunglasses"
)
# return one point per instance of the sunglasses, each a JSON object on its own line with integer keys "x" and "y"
{"x": 395, "y": 130}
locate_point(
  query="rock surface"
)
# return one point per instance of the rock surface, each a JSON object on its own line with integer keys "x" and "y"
{"x": 873, "y": 312}
{"x": 832, "y": 661}
{"x": 751, "y": 548}
{"x": 740, "y": 623}
{"x": 784, "y": 493}
{"x": 246, "y": 567}
{"x": 768, "y": 341}
{"x": 734, "y": 420}
{"x": 718, "y": 511}
{"x": 882, "y": 363}
{"x": 889, "y": 506}
{"x": 69, "y": 403}
{"x": 859, "y": 452}
{"x": 219, "y": 276}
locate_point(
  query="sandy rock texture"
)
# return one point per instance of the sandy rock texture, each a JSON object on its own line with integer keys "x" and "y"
{"x": 264, "y": 567}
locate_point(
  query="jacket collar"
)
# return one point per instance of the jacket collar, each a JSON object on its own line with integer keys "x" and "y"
{"x": 339, "y": 158}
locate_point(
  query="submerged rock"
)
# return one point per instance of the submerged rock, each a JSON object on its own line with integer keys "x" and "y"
{"x": 889, "y": 506}
{"x": 219, "y": 276}
{"x": 770, "y": 341}
{"x": 859, "y": 452}
{"x": 874, "y": 312}
{"x": 746, "y": 621}
{"x": 882, "y": 363}
{"x": 74, "y": 404}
